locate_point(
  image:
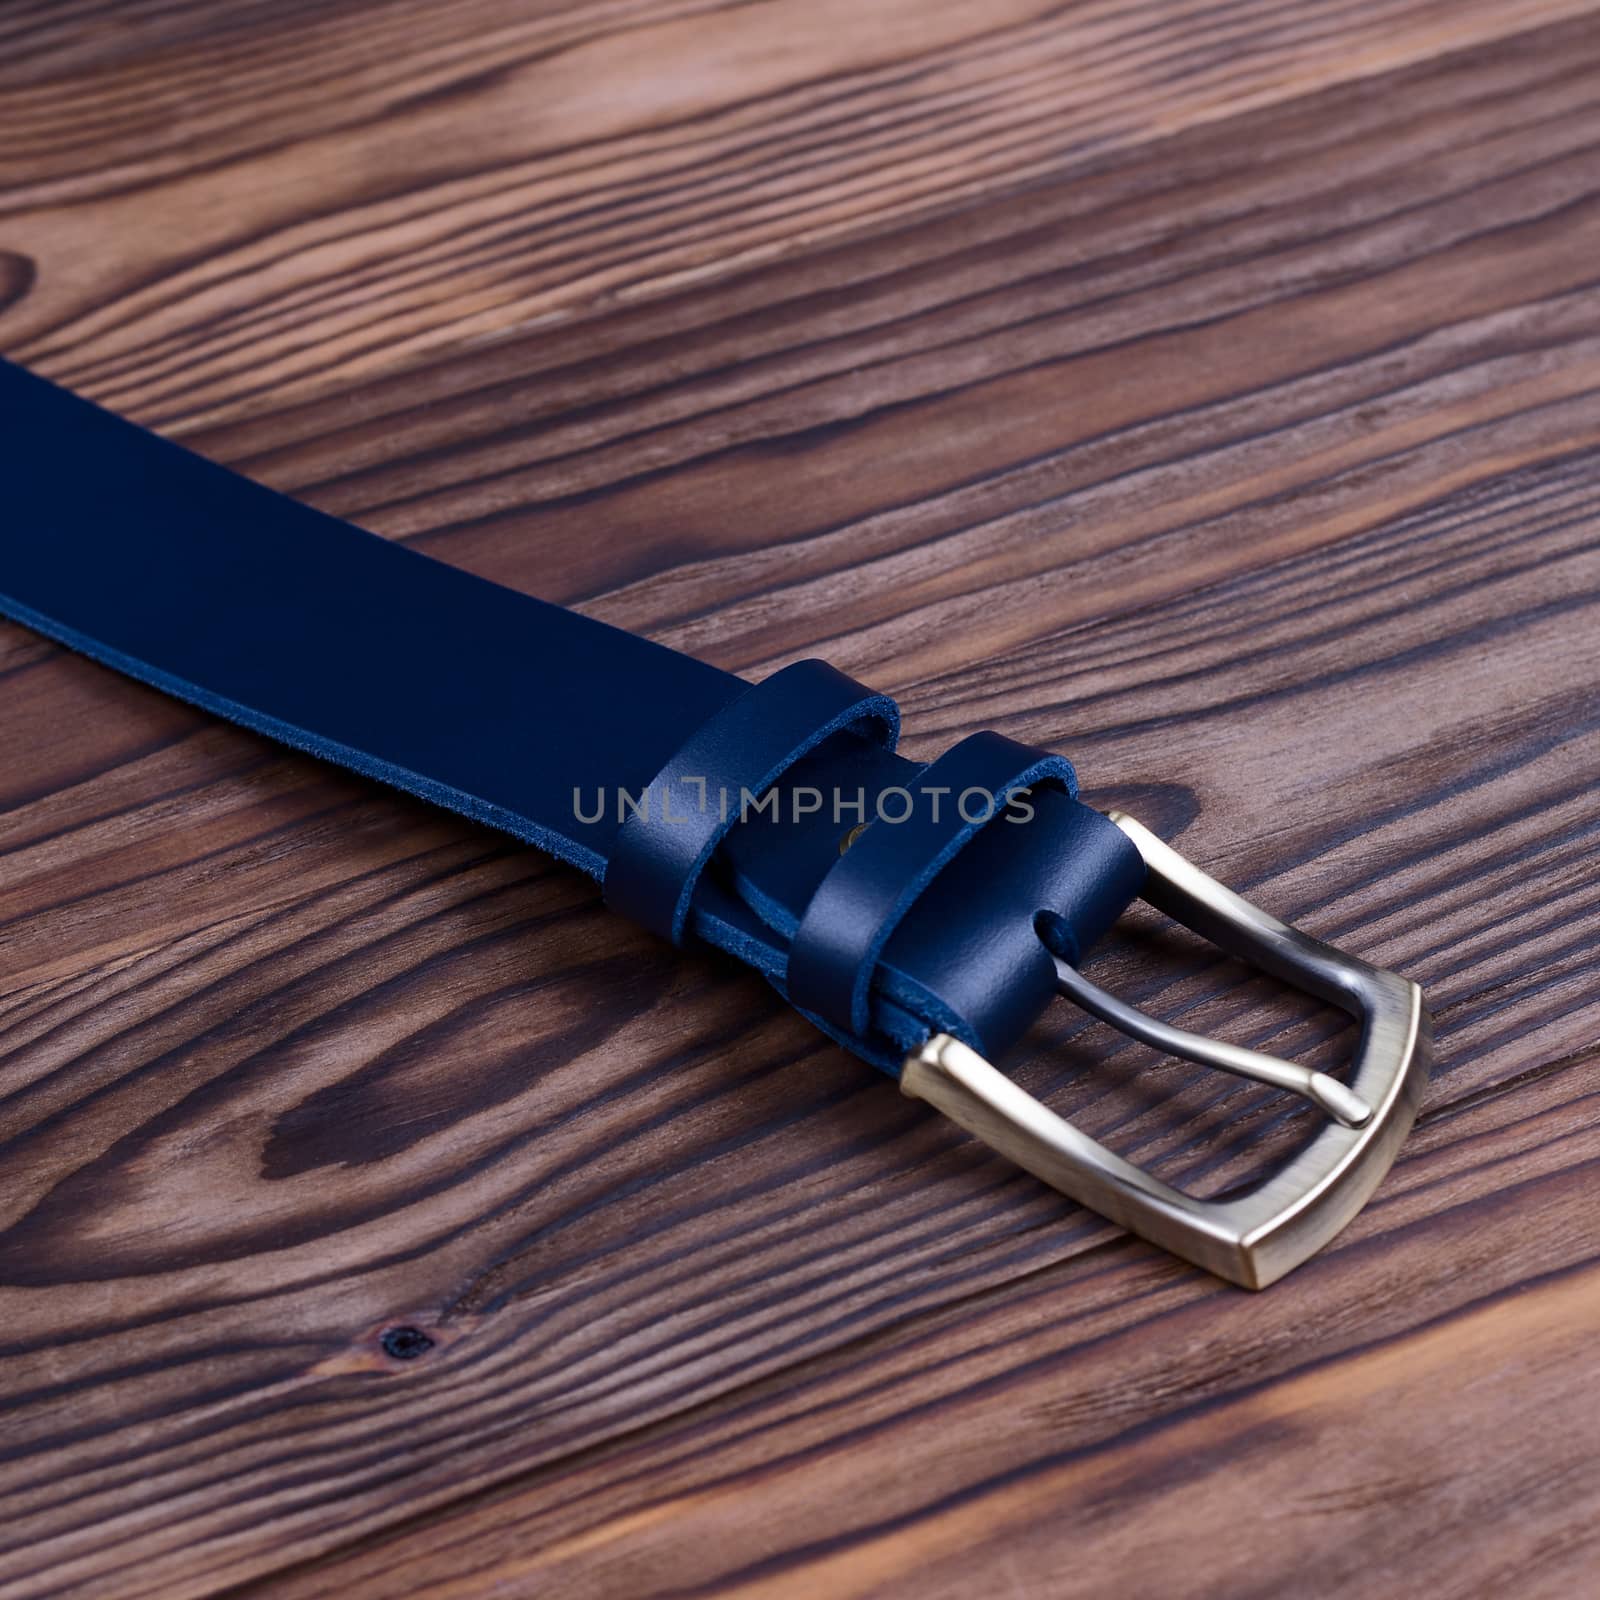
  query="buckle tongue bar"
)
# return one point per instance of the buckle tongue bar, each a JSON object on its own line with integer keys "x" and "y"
{"x": 1253, "y": 1238}
{"x": 1327, "y": 1094}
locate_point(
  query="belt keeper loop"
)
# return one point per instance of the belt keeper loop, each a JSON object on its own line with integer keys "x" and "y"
{"x": 671, "y": 835}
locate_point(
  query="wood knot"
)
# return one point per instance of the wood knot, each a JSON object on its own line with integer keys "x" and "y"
{"x": 404, "y": 1343}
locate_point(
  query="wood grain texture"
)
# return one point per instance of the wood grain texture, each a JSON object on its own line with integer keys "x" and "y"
{"x": 1109, "y": 1422}
{"x": 1210, "y": 392}
{"x": 317, "y": 193}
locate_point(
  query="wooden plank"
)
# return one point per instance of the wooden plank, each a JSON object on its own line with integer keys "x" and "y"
{"x": 1264, "y": 488}
{"x": 298, "y": 196}
{"x": 1033, "y": 415}
{"x": 1111, "y": 1426}
{"x": 610, "y": 1185}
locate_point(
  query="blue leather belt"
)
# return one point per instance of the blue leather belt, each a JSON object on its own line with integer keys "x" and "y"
{"x": 923, "y": 915}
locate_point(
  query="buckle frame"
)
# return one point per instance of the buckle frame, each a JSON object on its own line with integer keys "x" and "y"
{"x": 1255, "y": 1237}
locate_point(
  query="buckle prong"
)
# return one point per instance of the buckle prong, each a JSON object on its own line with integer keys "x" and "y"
{"x": 1327, "y": 1094}
{"x": 1252, "y": 1238}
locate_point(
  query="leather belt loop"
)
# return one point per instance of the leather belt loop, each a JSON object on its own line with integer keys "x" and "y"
{"x": 878, "y": 879}
{"x": 741, "y": 751}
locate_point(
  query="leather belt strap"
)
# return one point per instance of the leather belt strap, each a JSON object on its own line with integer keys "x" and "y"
{"x": 924, "y": 915}
{"x": 708, "y": 808}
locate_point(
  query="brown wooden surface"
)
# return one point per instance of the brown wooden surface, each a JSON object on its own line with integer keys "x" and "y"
{"x": 1211, "y": 391}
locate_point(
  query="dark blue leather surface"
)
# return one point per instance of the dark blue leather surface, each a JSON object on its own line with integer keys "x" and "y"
{"x": 872, "y": 886}
{"x": 738, "y": 752}
{"x": 523, "y": 715}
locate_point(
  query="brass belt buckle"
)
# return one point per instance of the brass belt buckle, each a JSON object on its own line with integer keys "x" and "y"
{"x": 1255, "y": 1237}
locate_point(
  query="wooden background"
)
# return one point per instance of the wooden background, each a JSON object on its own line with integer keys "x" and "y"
{"x": 1209, "y": 390}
